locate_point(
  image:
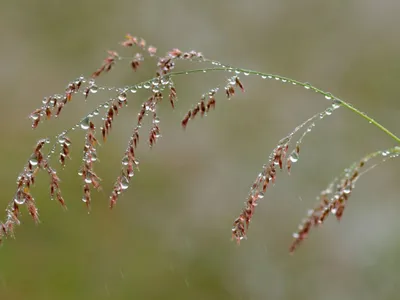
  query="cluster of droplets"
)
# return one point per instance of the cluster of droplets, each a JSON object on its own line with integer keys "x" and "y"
{"x": 206, "y": 103}
{"x": 90, "y": 178}
{"x": 53, "y": 105}
{"x": 334, "y": 198}
{"x": 281, "y": 157}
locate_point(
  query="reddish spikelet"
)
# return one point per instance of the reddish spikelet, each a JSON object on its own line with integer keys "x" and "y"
{"x": 257, "y": 191}
{"x": 330, "y": 201}
{"x": 129, "y": 41}
{"x": 186, "y": 119}
{"x": 229, "y": 91}
{"x": 175, "y": 53}
{"x": 89, "y": 177}
{"x": 172, "y": 96}
{"x": 211, "y": 103}
{"x": 108, "y": 62}
{"x": 136, "y": 61}
{"x": 239, "y": 83}
{"x": 152, "y": 50}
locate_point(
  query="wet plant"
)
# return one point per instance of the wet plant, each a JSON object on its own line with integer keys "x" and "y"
{"x": 97, "y": 125}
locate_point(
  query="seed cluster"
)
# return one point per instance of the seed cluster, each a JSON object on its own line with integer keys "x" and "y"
{"x": 333, "y": 200}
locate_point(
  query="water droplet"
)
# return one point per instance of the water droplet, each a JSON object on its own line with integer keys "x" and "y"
{"x": 94, "y": 157}
{"x": 122, "y": 97}
{"x": 263, "y": 77}
{"x": 246, "y": 73}
{"x": 19, "y": 200}
{"x": 33, "y": 161}
{"x": 156, "y": 120}
{"x": 133, "y": 90}
{"x": 94, "y": 88}
{"x": 260, "y": 195}
{"x": 146, "y": 85}
{"x": 328, "y": 96}
{"x": 237, "y": 71}
{"x": 125, "y": 160}
{"x": 294, "y": 156}
{"x": 347, "y": 190}
{"x": 124, "y": 183}
{"x": 35, "y": 116}
{"x": 88, "y": 179}
{"x": 85, "y": 123}
{"x": 336, "y": 104}
{"x": 307, "y": 86}
{"x": 328, "y": 111}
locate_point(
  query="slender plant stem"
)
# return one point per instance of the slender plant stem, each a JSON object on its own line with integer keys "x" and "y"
{"x": 295, "y": 82}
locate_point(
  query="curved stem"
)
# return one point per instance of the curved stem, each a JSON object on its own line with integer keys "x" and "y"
{"x": 295, "y": 82}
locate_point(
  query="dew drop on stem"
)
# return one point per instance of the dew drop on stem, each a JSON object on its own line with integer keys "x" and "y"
{"x": 85, "y": 123}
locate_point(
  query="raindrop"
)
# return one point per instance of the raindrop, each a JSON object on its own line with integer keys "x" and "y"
{"x": 122, "y": 97}
{"x": 347, "y": 190}
{"x": 294, "y": 156}
{"x": 133, "y": 90}
{"x": 336, "y": 104}
{"x": 328, "y": 96}
{"x": 85, "y": 123}
{"x": 146, "y": 85}
{"x": 33, "y": 161}
{"x": 328, "y": 111}
{"x": 125, "y": 160}
{"x": 94, "y": 89}
{"x": 35, "y": 116}
{"x": 124, "y": 183}
{"x": 246, "y": 73}
{"x": 263, "y": 77}
{"x": 19, "y": 200}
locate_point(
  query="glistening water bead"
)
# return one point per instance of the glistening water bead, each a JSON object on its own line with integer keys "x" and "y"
{"x": 85, "y": 123}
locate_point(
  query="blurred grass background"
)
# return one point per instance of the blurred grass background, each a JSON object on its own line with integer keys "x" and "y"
{"x": 169, "y": 236}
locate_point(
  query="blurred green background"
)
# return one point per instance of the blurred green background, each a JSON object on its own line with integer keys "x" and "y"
{"x": 169, "y": 235}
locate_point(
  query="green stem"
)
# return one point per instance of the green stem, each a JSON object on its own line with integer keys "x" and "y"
{"x": 295, "y": 82}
